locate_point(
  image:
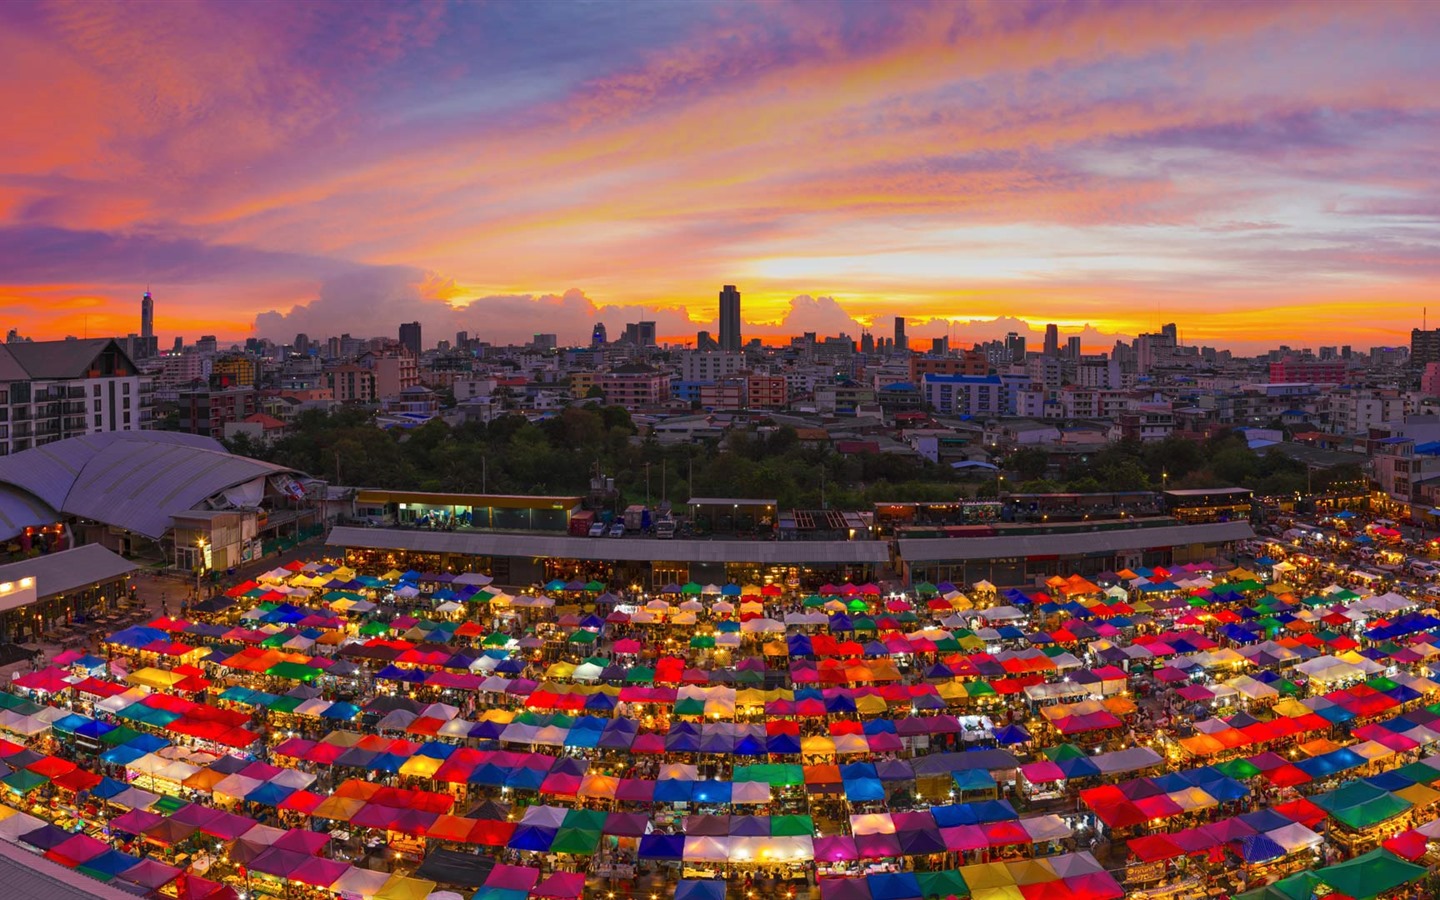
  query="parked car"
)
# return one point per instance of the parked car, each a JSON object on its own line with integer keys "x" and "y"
{"x": 617, "y": 530}
{"x": 1425, "y": 570}
{"x": 597, "y": 530}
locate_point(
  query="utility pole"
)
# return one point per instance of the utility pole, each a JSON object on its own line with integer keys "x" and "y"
{"x": 647, "y": 484}
{"x": 663, "y": 470}
{"x": 484, "y": 474}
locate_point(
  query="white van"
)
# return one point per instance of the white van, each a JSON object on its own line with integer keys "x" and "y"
{"x": 1422, "y": 569}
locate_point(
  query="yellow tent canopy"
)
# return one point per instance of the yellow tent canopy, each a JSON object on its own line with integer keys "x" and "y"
{"x": 159, "y": 679}
{"x": 403, "y": 887}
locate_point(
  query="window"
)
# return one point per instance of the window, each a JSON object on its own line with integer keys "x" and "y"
{"x": 97, "y": 421}
{"x": 127, "y": 418}
{"x": 125, "y": 388}
{"x": 95, "y": 390}
{"x": 97, "y": 405}
{"x": 127, "y": 403}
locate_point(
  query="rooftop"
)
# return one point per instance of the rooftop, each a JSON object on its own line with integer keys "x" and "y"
{"x": 62, "y": 572}
{"x": 135, "y": 480}
{"x": 63, "y": 359}
{"x": 613, "y": 549}
{"x": 1070, "y": 544}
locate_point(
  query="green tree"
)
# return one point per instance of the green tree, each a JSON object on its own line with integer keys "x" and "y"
{"x": 1028, "y": 464}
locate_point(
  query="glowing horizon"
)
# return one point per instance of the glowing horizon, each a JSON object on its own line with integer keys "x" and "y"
{"x": 1239, "y": 169}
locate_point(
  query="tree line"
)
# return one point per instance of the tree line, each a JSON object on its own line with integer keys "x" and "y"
{"x": 559, "y": 455}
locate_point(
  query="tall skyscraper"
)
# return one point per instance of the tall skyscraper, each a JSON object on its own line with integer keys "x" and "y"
{"x": 1052, "y": 340}
{"x": 302, "y": 344}
{"x": 410, "y": 337}
{"x": 1072, "y": 347}
{"x": 730, "y": 319}
{"x": 598, "y": 337}
{"x": 1172, "y": 333}
{"x": 147, "y": 316}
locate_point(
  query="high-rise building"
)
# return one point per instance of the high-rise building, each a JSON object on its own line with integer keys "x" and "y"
{"x": 598, "y": 336}
{"x": 1171, "y": 332}
{"x": 462, "y": 340}
{"x": 703, "y": 341}
{"x": 1072, "y": 348}
{"x": 302, "y": 344}
{"x": 730, "y": 319}
{"x": 410, "y": 338}
{"x": 545, "y": 342}
{"x": 640, "y": 334}
{"x": 1015, "y": 346}
{"x": 1052, "y": 340}
{"x": 147, "y": 326}
{"x": 901, "y": 342}
{"x": 1424, "y": 347}
{"x": 207, "y": 343}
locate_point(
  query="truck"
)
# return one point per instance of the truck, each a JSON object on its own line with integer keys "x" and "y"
{"x": 665, "y": 528}
{"x": 635, "y": 517}
{"x": 580, "y": 523}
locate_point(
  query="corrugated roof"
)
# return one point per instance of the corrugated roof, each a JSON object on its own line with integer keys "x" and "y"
{"x": 19, "y": 510}
{"x": 49, "y": 471}
{"x": 59, "y": 573}
{"x": 626, "y": 549}
{"x": 30, "y": 876}
{"x": 1070, "y": 544}
{"x": 134, "y": 480}
{"x": 139, "y": 486}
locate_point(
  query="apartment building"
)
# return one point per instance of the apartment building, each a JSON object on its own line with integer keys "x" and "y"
{"x": 51, "y": 390}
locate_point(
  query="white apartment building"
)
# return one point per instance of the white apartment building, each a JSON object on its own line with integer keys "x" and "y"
{"x": 51, "y": 390}
{"x": 707, "y": 366}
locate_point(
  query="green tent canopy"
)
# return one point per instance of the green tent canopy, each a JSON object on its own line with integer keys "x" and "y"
{"x": 791, "y": 826}
{"x": 293, "y": 671}
{"x": 942, "y": 884}
{"x": 1062, "y": 752}
{"x": 1377, "y": 872}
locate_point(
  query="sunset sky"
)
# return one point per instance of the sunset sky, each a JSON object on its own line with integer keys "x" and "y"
{"x": 1259, "y": 173}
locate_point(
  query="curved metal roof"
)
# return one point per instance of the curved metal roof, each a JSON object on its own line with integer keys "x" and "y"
{"x": 19, "y": 510}
{"x": 136, "y": 480}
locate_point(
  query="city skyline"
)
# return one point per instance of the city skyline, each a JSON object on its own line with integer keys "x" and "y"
{"x": 1232, "y": 169}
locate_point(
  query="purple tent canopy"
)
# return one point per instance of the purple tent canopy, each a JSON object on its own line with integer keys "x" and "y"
{"x": 280, "y": 862}
{"x": 838, "y": 887}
